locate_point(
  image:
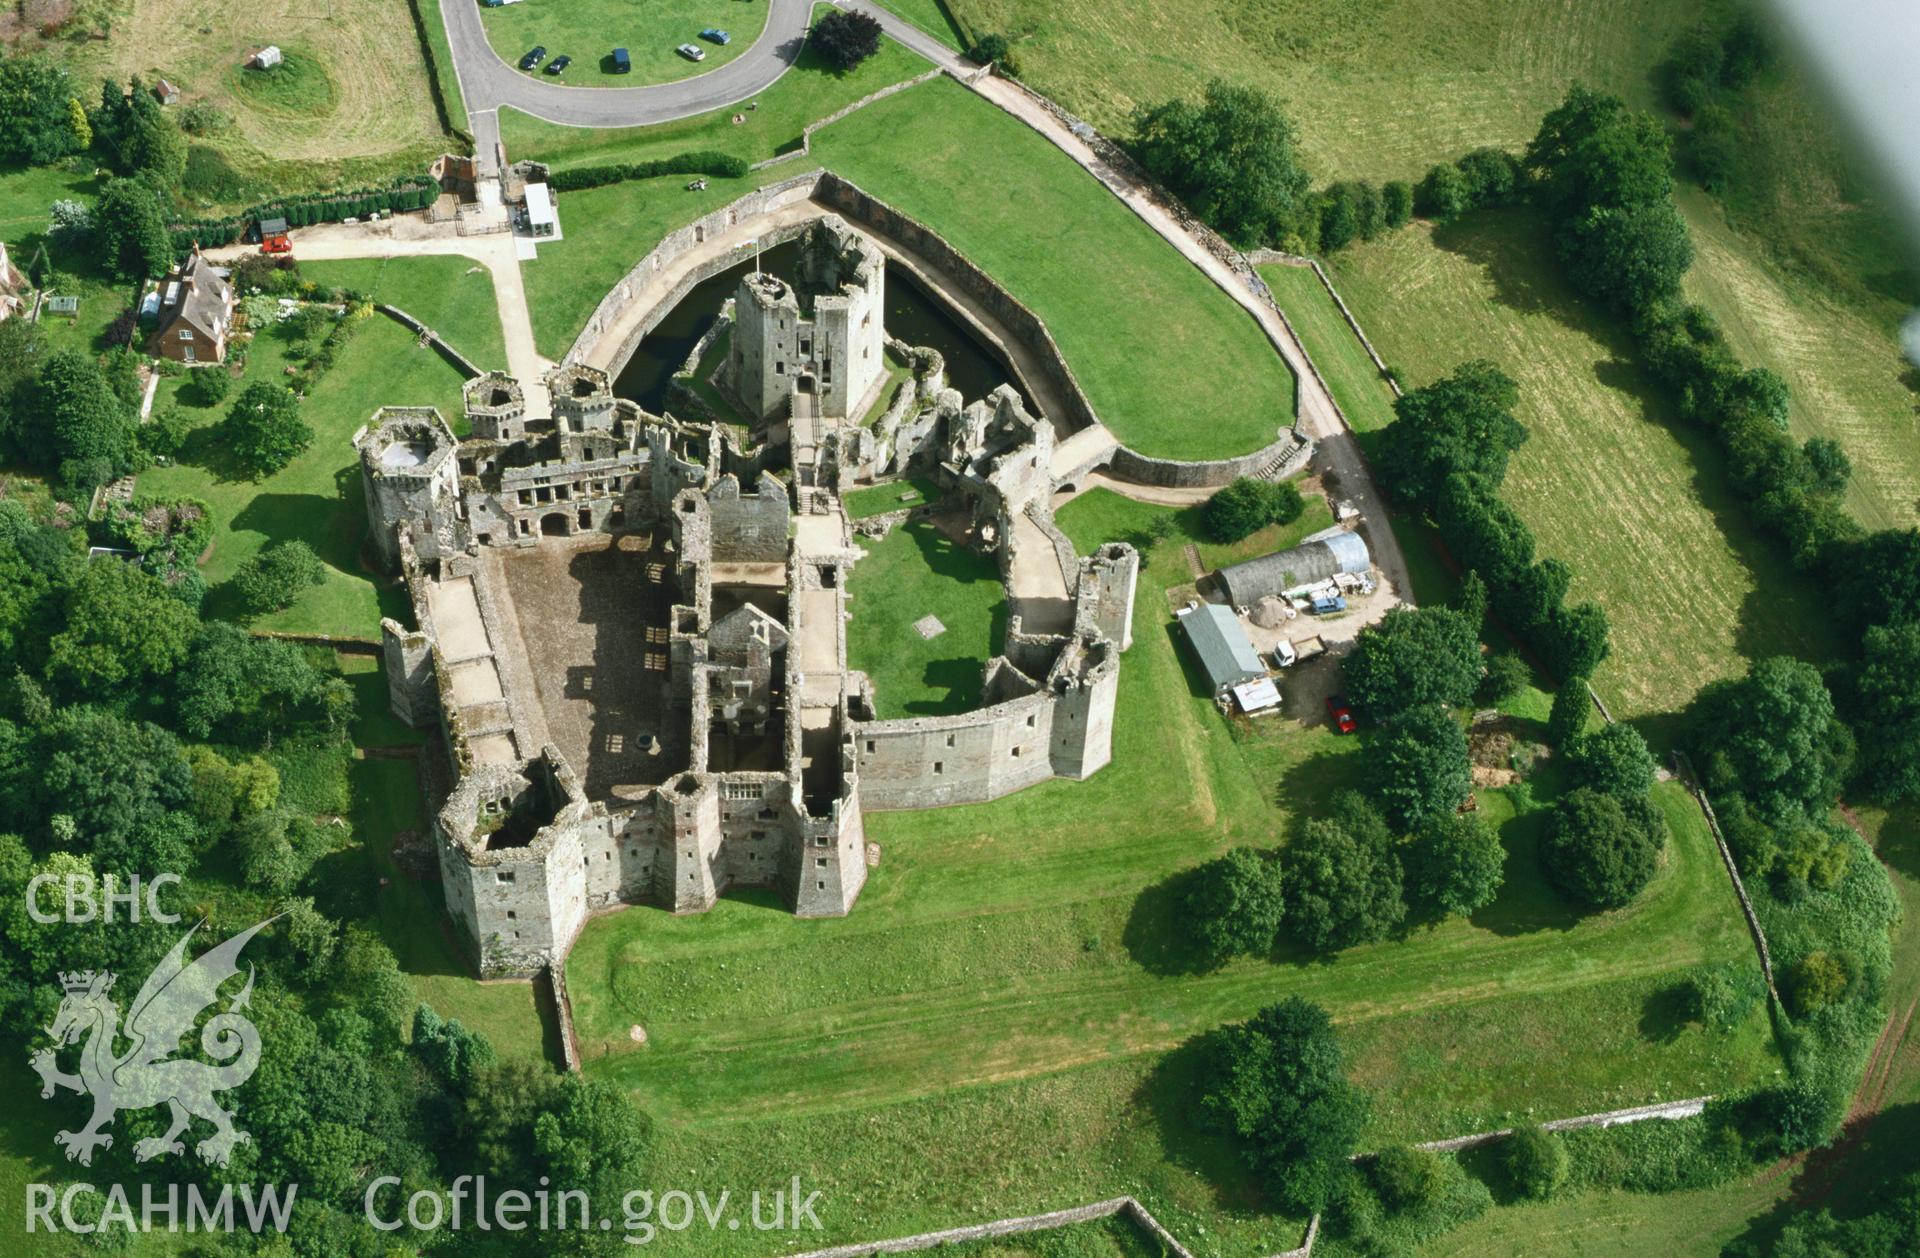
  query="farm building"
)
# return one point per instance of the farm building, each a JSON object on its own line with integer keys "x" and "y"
{"x": 1315, "y": 559}
{"x": 1221, "y": 645}
{"x": 165, "y": 92}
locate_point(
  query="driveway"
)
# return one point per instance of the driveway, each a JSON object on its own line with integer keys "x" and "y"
{"x": 487, "y": 82}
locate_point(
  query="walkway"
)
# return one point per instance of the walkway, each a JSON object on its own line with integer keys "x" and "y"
{"x": 411, "y": 238}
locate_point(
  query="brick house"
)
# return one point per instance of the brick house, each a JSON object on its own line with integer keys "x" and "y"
{"x": 196, "y": 310}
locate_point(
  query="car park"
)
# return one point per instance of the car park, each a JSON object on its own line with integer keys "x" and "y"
{"x": 534, "y": 57}
{"x": 714, "y": 35}
{"x": 559, "y": 64}
{"x": 692, "y": 52}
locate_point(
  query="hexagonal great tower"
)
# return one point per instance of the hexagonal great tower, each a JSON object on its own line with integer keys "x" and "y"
{"x": 820, "y": 342}
{"x": 412, "y": 481}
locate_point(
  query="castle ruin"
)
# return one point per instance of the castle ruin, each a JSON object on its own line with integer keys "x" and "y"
{"x": 631, "y": 630}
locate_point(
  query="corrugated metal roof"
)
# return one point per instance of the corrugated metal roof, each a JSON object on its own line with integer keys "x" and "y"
{"x": 1247, "y": 583}
{"x": 1221, "y": 644}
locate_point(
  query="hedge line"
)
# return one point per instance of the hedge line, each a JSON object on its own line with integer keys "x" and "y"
{"x": 434, "y": 81}
{"x": 702, "y": 162}
{"x": 408, "y": 192}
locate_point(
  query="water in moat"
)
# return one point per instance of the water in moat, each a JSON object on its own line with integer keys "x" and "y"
{"x": 913, "y": 315}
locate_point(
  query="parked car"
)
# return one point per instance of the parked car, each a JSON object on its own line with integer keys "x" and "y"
{"x": 714, "y": 35}
{"x": 622, "y": 63}
{"x": 692, "y": 52}
{"x": 1327, "y": 604}
{"x": 534, "y": 57}
{"x": 1341, "y": 714}
{"x": 559, "y": 64}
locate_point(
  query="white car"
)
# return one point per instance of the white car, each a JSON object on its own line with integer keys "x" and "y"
{"x": 692, "y": 52}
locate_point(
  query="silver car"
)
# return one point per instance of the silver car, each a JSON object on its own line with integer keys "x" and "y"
{"x": 692, "y": 52}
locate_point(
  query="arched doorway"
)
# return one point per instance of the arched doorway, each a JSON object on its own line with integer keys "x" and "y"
{"x": 554, "y": 524}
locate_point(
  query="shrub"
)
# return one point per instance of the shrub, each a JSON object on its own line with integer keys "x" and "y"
{"x": 1408, "y": 1178}
{"x": 1613, "y": 759}
{"x": 1396, "y": 202}
{"x": 211, "y": 385}
{"x": 1247, "y": 505}
{"x": 1572, "y": 709}
{"x": 1507, "y": 675}
{"x": 1816, "y": 981}
{"x": 993, "y": 49}
{"x": 274, "y": 578}
{"x": 1601, "y": 850}
{"x": 1442, "y": 194}
{"x": 702, "y": 162}
{"x": 1535, "y": 1161}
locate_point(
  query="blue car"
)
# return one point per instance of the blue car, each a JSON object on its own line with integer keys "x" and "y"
{"x": 714, "y": 35}
{"x": 1327, "y": 604}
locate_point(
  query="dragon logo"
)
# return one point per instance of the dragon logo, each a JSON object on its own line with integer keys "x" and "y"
{"x": 149, "y": 1073}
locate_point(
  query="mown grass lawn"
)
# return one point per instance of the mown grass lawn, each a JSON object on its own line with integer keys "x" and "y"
{"x": 1356, "y": 384}
{"x": 1171, "y": 364}
{"x": 770, "y": 123}
{"x": 935, "y": 17}
{"x": 589, "y": 31}
{"x": 452, "y": 295}
{"x": 900, "y": 495}
{"x": 316, "y": 498}
{"x": 918, "y": 571}
{"x": 1004, "y": 1023}
{"x": 1609, "y": 480}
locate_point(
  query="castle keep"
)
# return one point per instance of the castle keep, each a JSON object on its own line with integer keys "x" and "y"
{"x": 631, "y": 630}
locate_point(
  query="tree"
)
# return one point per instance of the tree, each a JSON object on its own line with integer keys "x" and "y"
{"x": 1411, "y": 658}
{"x": 1886, "y": 709}
{"x": 131, "y": 228}
{"x": 242, "y": 687}
{"x": 1879, "y": 578}
{"x": 120, "y": 791}
{"x": 1422, "y": 770}
{"x": 1231, "y": 157}
{"x": 36, "y": 111}
{"x": 274, "y": 578}
{"x": 1461, "y": 423}
{"x": 1613, "y": 759}
{"x": 1772, "y": 736}
{"x": 844, "y": 39}
{"x": 1492, "y": 177}
{"x": 589, "y": 1131}
{"x": 211, "y": 384}
{"x": 1455, "y": 866}
{"x": 1235, "y": 904}
{"x": 264, "y": 429}
{"x": 1396, "y": 202}
{"x": 77, "y": 418}
{"x": 455, "y": 1054}
{"x": 1576, "y": 639}
{"x": 1247, "y": 505}
{"x": 1832, "y": 469}
{"x": 1276, "y": 1086}
{"x": 1601, "y": 850}
{"x": 1507, "y": 675}
{"x": 1536, "y": 1161}
{"x": 1592, "y": 152}
{"x": 1572, "y": 708}
{"x": 310, "y": 937}
{"x": 123, "y": 633}
{"x": 1442, "y": 194}
{"x": 1343, "y": 879}
{"x": 1632, "y": 258}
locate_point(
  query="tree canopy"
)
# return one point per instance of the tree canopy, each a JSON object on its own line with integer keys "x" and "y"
{"x": 845, "y": 38}
{"x": 1343, "y": 879}
{"x": 1247, "y": 505}
{"x": 1455, "y": 865}
{"x": 1230, "y": 156}
{"x": 1462, "y": 422}
{"x": 1613, "y": 759}
{"x": 1422, "y": 770}
{"x": 130, "y": 226}
{"x": 1235, "y": 904}
{"x": 264, "y": 429}
{"x": 1276, "y": 1085}
{"x": 36, "y": 111}
{"x": 1412, "y": 658}
{"x": 1772, "y": 736}
{"x": 1601, "y": 850}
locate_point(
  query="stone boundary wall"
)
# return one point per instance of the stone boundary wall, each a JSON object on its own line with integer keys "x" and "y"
{"x": 806, "y": 132}
{"x": 1683, "y": 766}
{"x": 556, "y": 981}
{"x": 1129, "y": 1207}
{"x": 460, "y": 361}
{"x": 1128, "y": 465}
{"x": 1669, "y": 1110}
{"x": 671, "y": 246}
{"x": 344, "y": 645}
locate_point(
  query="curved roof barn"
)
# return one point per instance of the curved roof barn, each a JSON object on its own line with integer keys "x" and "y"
{"x": 1314, "y": 560}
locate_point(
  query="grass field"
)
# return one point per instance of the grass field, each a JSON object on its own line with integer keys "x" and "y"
{"x": 1171, "y": 364}
{"x": 452, "y": 295}
{"x": 918, "y": 571}
{"x": 1609, "y": 480}
{"x": 897, "y": 495}
{"x": 590, "y": 30}
{"x": 935, "y": 17}
{"x": 1379, "y": 90}
{"x": 772, "y": 125}
{"x": 316, "y": 498}
{"x": 1004, "y": 1023}
{"x": 1356, "y": 384}
{"x": 355, "y": 106}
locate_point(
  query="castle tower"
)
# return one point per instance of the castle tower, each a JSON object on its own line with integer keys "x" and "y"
{"x": 496, "y": 408}
{"x": 412, "y": 481}
{"x": 582, "y": 398}
{"x": 818, "y": 345}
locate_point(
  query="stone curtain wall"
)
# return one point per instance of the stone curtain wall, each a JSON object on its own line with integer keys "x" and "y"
{"x": 1128, "y": 1207}
{"x": 806, "y": 133}
{"x": 1174, "y": 474}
